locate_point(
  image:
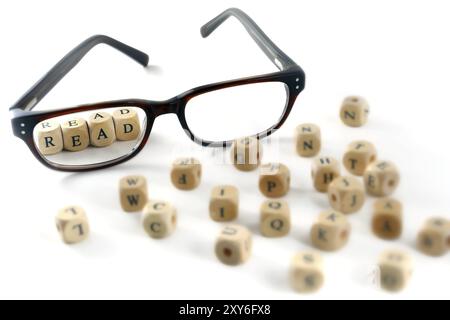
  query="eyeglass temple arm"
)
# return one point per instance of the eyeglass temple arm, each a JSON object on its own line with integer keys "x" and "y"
{"x": 44, "y": 85}
{"x": 278, "y": 57}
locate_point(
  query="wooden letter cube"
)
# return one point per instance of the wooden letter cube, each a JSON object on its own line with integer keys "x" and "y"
{"x": 224, "y": 203}
{"x": 234, "y": 245}
{"x": 381, "y": 178}
{"x": 186, "y": 173}
{"x": 395, "y": 270}
{"x": 308, "y": 140}
{"x": 346, "y": 194}
{"x": 331, "y": 231}
{"x": 275, "y": 218}
{"x": 274, "y": 180}
{"x": 101, "y": 129}
{"x": 49, "y": 136}
{"x": 387, "y": 220}
{"x": 306, "y": 272}
{"x": 434, "y": 238}
{"x": 358, "y": 156}
{"x": 324, "y": 170}
{"x": 128, "y": 126}
{"x": 246, "y": 153}
{"x": 72, "y": 224}
{"x": 75, "y": 134}
{"x": 159, "y": 219}
{"x": 354, "y": 111}
{"x": 133, "y": 193}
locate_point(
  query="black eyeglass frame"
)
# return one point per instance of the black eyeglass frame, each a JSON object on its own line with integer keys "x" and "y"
{"x": 24, "y": 119}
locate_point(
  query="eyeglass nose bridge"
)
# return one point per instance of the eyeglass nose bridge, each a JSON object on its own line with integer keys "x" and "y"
{"x": 164, "y": 107}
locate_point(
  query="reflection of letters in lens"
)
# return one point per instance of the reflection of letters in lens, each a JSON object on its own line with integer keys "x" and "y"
{"x": 114, "y": 131}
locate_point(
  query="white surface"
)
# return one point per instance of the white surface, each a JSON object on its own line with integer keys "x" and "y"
{"x": 396, "y": 54}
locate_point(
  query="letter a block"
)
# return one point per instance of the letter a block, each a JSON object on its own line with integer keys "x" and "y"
{"x": 133, "y": 193}
{"x": 101, "y": 129}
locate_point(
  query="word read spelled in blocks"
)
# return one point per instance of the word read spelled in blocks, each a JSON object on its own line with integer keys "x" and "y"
{"x": 274, "y": 180}
{"x": 275, "y": 219}
{"x": 133, "y": 193}
{"x": 331, "y": 231}
{"x": 127, "y": 124}
{"x": 381, "y": 178}
{"x": 354, "y": 111}
{"x": 395, "y": 270}
{"x": 50, "y": 139}
{"x": 306, "y": 272}
{"x": 159, "y": 219}
{"x": 186, "y": 173}
{"x": 224, "y": 203}
{"x": 358, "y": 156}
{"x": 434, "y": 237}
{"x": 246, "y": 153}
{"x": 72, "y": 224}
{"x": 308, "y": 140}
{"x": 101, "y": 129}
{"x": 387, "y": 220}
{"x": 75, "y": 134}
{"x": 346, "y": 194}
{"x": 324, "y": 171}
{"x": 234, "y": 245}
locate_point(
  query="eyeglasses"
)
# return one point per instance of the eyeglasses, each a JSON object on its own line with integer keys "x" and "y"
{"x": 104, "y": 134}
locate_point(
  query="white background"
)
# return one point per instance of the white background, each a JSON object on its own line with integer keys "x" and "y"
{"x": 395, "y": 53}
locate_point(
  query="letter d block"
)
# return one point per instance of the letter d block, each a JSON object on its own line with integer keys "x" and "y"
{"x": 159, "y": 219}
{"x": 133, "y": 193}
{"x": 75, "y": 134}
{"x": 127, "y": 124}
{"x": 50, "y": 139}
{"x": 101, "y": 129}
{"x": 72, "y": 224}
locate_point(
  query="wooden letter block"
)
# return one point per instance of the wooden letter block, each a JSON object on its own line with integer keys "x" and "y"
{"x": 387, "y": 220}
{"x": 224, "y": 203}
{"x": 274, "y": 180}
{"x": 246, "y": 153}
{"x": 101, "y": 129}
{"x": 159, "y": 219}
{"x": 381, "y": 178}
{"x": 306, "y": 272}
{"x": 234, "y": 245}
{"x": 358, "y": 156}
{"x": 434, "y": 238}
{"x": 128, "y": 126}
{"x": 324, "y": 171}
{"x": 133, "y": 193}
{"x": 308, "y": 141}
{"x": 75, "y": 134}
{"x": 354, "y": 111}
{"x": 72, "y": 224}
{"x": 49, "y": 136}
{"x": 275, "y": 218}
{"x": 186, "y": 173}
{"x": 346, "y": 194}
{"x": 331, "y": 231}
{"x": 395, "y": 270}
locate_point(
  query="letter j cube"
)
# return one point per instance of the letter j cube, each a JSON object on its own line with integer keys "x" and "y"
{"x": 133, "y": 193}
